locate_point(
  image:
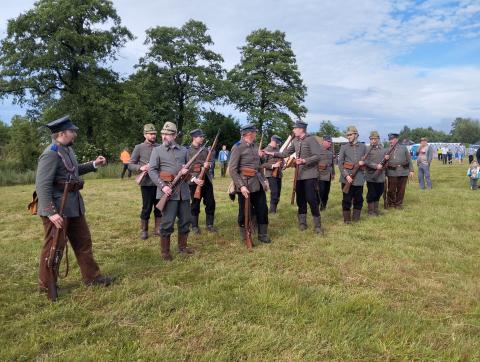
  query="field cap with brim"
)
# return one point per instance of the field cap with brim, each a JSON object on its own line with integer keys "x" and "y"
{"x": 197, "y": 133}
{"x": 248, "y": 128}
{"x": 391, "y": 136}
{"x": 300, "y": 124}
{"x": 61, "y": 124}
{"x": 149, "y": 128}
{"x": 351, "y": 129}
{"x": 374, "y": 134}
{"x": 277, "y": 139}
{"x": 169, "y": 128}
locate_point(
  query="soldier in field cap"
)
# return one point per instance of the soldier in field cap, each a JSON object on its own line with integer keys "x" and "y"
{"x": 56, "y": 166}
{"x": 140, "y": 162}
{"x": 375, "y": 174}
{"x": 273, "y": 172}
{"x": 166, "y": 161}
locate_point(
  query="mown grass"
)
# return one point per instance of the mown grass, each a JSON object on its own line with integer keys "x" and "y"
{"x": 404, "y": 286}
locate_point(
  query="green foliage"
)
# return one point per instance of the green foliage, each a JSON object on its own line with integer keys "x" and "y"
{"x": 24, "y": 144}
{"x": 327, "y": 128}
{"x": 465, "y": 130}
{"x": 267, "y": 84}
{"x": 179, "y": 71}
{"x": 229, "y": 128}
{"x": 415, "y": 134}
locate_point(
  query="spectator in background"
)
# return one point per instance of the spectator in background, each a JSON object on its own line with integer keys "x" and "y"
{"x": 125, "y": 158}
{"x": 444, "y": 154}
{"x": 439, "y": 153}
{"x": 223, "y": 157}
{"x": 471, "y": 154}
{"x": 450, "y": 156}
{"x": 424, "y": 159}
{"x": 477, "y": 155}
{"x": 473, "y": 173}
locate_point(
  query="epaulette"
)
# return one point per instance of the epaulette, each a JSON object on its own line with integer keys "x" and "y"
{"x": 54, "y": 147}
{"x": 237, "y": 143}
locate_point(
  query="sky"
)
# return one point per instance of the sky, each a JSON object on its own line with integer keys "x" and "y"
{"x": 377, "y": 64}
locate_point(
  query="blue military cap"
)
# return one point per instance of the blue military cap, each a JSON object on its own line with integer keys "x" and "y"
{"x": 300, "y": 124}
{"x": 327, "y": 138}
{"x": 61, "y": 124}
{"x": 276, "y": 138}
{"x": 391, "y": 136}
{"x": 197, "y": 133}
{"x": 248, "y": 128}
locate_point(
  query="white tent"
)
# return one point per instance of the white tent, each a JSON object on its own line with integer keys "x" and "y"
{"x": 340, "y": 139}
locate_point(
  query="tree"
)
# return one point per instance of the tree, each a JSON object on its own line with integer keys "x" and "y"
{"x": 465, "y": 130}
{"x": 327, "y": 128}
{"x": 23, "y": 132}
{"x": 55, "y": 57}
{"x": 229, "y": 128}
{"x": 4, "y": 135}
{"x": 266, "y": 84}
{"x": 182, "y": 69}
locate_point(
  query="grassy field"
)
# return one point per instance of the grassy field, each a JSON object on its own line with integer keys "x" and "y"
{"x": 404, "y": 286}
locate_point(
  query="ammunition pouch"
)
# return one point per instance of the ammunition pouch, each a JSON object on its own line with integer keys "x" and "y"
{"x": 248, "y": 172}
{"x": 166, "y": 176}
{"x": 348, "y": 165}
{"x": 73, "y": 186}
{"x": 33, "y": 206}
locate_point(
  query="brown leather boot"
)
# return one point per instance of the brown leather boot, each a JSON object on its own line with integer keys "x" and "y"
{"x": 371, "y": 209}
{"x": 356, "y": 215}
{"x": 182, "y": 244}
{"x": 165, "y": 248}
{"x": 302, "y": 222}
{"x": 158, "y": 222}
{"x": 376, "y": 209}
{"x": 144, "y": 229}
{"x": 347, "y": 217}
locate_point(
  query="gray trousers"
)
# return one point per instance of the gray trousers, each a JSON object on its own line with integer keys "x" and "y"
{"x": 424, "y": 174}
{"x": 173, "y": 209}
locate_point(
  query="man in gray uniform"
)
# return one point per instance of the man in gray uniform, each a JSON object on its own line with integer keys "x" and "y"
{"x": 326, "y": 171}
{"x": 399, "y": 167}
{"x": 307, "y": 151}
{"x": 206, "y": 184}
{"x": 139, "y": 162}
{"x": 273, "y": 172}
{"x": 375, "y": 175}
{"x": 350, "y": 154}
{"x": 56, "y": 166}
{"x": 166, "y": 161}
{"x": 245, "y": 168}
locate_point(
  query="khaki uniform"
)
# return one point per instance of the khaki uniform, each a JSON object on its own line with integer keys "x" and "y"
{"x": 398, "y": 167}
{"x": 349, "y": 155}
{"x": 375, "y": 181}
{"x": 326, "y": 172}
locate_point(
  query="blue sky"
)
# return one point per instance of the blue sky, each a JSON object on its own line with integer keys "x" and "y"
{"x": 379, "y": 64}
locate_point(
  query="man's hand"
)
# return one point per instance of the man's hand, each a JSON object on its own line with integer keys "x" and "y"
{"x": 387, "y": 157}
{"x": 277, "y": 164}
{"x": 299, "y": 161}
{"x": 184, "y": 170}
{"x": 198, "y": 181}
{"x": 145, "y": 167}
{"x": 270, "y": 153}
{"x": 245, "y": 191}
{"x": 379, "y": 167}
{"x": 410, "y": 174}
{"x": 206, "y": 165}
{"x": 100, "y": 161}
{"x": 261, "y": 153}
{"x": 167, "y": 190}
{"x": 361, "y": 163}
{"x": 57, "y": 220}
{"x": 349, "y": 179}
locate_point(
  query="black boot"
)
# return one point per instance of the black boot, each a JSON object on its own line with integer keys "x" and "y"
{"x": 347, "y": 217}
{"x": 317, "y": 224}
{"x": 100, "y": 280}
{"x": 273, "y": 208}
{"x": 209, "y": 222}
{"x": 371, "y": 209}
{"x": 302, "y": 222}
{"x": 376, "y": 209}
{"x": 195, "y": 228}
{"x": 144, "y": 229}
{"x": 243, "y": 233}
{"x": 263, "y": 233}
{"x": 158, "y": 223}
{"x": 356, "y": 215}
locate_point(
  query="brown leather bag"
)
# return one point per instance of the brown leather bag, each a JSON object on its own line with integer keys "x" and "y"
{"x": 348, "y": 165}
{"x": 248, "y": 172}
{"x": 166, "y": 176}
{"x": 33, "y": 206}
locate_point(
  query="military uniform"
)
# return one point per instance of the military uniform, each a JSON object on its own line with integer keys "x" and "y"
{"x": 375, "y": 180}
{"x": 206, "y": 190}
{"x": 140, "y": 157}
{"x": 349, "y": 155}
{"x": 245, "y": 170}
{"x": 273, "y": 175}
{"x": 306, "y": 188}
{"x": 398, "y": 167}
{"x": 326, "y": 172}
{"x": 166, "y": 162}
{"x": 57, "y": 165}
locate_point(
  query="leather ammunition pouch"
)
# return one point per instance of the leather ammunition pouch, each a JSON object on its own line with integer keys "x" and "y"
{"x": 33, "y": 206}
{"x": 73, "y": 186}
{"x": 322, "y": 166}
{"x": 197, "y": 167}
{"x": 166, "y": 176}
{"x": 348, "y": 165}
{"x": 248, "y": 172}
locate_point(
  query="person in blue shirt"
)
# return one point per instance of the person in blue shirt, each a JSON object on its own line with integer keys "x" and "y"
{"x": 223, "y": 157}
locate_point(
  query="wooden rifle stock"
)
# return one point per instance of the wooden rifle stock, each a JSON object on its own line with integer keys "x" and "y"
{"x": 248, "y": 224}
{"x": 201, "y": 176}
{"x": 385, "y": 161}
{"x": 347, "y": 186}
{"x": 179, "y": 178}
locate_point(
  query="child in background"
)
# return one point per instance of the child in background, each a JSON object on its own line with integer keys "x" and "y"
{"x": 473, "y": 172}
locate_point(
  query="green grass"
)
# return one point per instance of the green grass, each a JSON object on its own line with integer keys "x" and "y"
{"x": 404, "y": 286}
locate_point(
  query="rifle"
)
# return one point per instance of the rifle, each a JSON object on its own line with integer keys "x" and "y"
{"x": 261, "y": 141}
{"x": 179, "y": 178}
{"x": 385, "y": 193}
{"x": 55, "y": 254}
{"x": 248, "y": 224}
{"x": 385, "y": 161}
{"x": 284, "y": 147}
{"x": 347, "y": 186}
{"x": 201, "y": 176}
{"x": 295, "y": 177}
